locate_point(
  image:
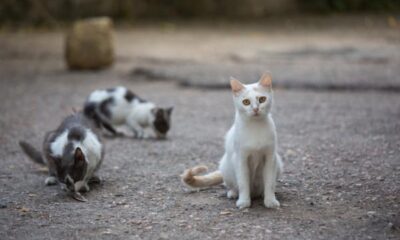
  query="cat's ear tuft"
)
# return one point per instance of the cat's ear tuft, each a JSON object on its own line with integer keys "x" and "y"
{"x": 236, "y": 86}
{"x": 266, "y": 81}
{"x": 79, "y": 156}
{"x": 169, "y": 110}
{"x": 154, "y": 111}
{"x": 157, "y": 112}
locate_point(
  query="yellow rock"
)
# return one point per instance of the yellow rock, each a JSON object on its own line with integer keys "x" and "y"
{"x": 89, "y": 44}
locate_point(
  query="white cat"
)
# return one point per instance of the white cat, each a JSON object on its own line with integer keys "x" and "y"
{"x": 251, "y": 164}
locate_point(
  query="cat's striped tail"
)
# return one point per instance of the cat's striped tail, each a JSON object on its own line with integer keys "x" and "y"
{"x": 32, "y": 153}
{"x": 190, "y": 177}
{"x": 91, "y": 110}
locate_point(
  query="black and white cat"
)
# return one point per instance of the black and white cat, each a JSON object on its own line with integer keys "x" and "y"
{"x": 73, "y": 153}
{"x": 119, "y": 106}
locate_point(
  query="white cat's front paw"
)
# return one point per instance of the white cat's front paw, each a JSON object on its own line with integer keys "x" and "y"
{"x": 51, "y": 180}
{"x": 243, "y": 203}
{"x": 271, "y": 202}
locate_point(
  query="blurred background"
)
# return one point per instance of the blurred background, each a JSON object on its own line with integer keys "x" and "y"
{"x": 244, "y": 36}
{"x": 48, "y": 12}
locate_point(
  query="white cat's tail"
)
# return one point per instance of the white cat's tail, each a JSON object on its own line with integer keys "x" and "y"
{"x": 190, "y": 178}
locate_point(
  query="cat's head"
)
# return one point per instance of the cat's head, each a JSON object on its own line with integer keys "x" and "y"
{"x": 161, "y": 121}
{"x": 72, "y": 167}
{"x": 253, "y": 100}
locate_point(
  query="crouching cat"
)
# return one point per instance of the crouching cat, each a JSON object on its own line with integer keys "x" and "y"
{"x": 73, "y": 153}
{"x": 251, "y": 164}
{"x": 120, "y": 106}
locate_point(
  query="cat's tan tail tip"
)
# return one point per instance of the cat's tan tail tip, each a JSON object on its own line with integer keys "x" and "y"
{"x": 188, "y": 174}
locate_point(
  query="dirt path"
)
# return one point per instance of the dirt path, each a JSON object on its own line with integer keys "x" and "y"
{"x": 341, "y": 148}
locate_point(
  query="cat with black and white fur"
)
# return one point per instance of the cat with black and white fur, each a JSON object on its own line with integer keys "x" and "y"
{"x": 119, "y": 106}
{"x": 73, "y": 153}
{"x": 251, "y": 163}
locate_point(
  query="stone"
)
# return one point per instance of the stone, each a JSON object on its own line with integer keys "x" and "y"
{"x": 89, "y": 44}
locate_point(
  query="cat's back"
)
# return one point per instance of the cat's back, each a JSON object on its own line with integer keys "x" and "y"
{"x": 121, "y": 99}
{"x": 98, "y": 96}
{"x": 77, "y": 120}
{"x": 118, "y": 93}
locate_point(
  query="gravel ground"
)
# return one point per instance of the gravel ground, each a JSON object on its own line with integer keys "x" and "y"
{"x": 340, "y": 148}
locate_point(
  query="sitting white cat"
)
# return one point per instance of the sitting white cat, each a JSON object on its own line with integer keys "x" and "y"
{"x": 251, "y": 164}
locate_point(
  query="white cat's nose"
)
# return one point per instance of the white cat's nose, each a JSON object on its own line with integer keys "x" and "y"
{"x": 255, "y": 110}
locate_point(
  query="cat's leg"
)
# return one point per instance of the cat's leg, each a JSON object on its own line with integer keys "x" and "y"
{"x": 124, "y": 131}
{"x": 119, "y": 132}
{"x": 270, "y": 175}
{"x": 111, "y": 128}
{"x": 279, "y": 165}
{"x": 85, "y": 188}
{"x": 135, "y": 127}
{"x": 232, "y": 194}
{"x": 147, "y": 133}
{"x": 243, "y": 180}
{"x": 51, "y": 180}
{"x": 95, "y": 180}
{"x": 82, "y": 186}
{"x": 228, "y": 174}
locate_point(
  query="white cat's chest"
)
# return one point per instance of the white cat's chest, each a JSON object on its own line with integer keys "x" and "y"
{"x": 256, "y": 137}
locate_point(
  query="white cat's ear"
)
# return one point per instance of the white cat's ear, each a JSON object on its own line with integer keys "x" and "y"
{"x": 236, "y": 86}
{"x": 266, "y": 81}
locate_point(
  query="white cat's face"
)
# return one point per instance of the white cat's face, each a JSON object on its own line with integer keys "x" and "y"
{"x": 253, "y": 100}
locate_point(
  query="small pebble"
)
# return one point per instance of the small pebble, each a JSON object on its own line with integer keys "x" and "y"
{"x": 371, "y": 213}
{"x": 391, "y": 226}
{"x": 225, "y": 213}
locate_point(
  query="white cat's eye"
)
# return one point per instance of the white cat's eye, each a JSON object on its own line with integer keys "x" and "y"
{"x": 262, "y": 99}
{"x": 246, "y": 102}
